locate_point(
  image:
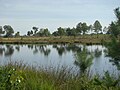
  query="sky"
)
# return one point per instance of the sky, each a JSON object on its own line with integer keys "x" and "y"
{"x": 22, "y": 15}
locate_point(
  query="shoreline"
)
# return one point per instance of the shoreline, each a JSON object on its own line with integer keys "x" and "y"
{"x": 87, "y": 39}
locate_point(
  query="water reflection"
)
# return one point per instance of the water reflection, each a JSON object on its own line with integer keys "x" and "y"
{"x": 97, "y": 53}
{"x": 1, "y": 51}
{"x": 17, "y": 48}
{"x": 63, "y": 55}
{"x": 9, "y": 50}
{"x": 83, "y": 59}
{"x": 51, "y": 51}
{"x": 60, "y": 48}
{"x": 45, "y": 49}
{"x": 67, "y": 48}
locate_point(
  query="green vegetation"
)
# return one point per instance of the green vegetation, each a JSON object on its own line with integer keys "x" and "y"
{"x": 20, "y": 77}
{"x": 114, "y": 28}
{"x": 1, "y": 31}
{"x": 87, "y": 39}
{"x": 82, "y": 28}
{"x": 83, "y": 60}
{"x": 9, "y": 30}
{"x": 97, "y": 27}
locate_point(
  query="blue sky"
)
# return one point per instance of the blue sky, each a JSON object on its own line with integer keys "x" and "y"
{"x": 22, "y": 15}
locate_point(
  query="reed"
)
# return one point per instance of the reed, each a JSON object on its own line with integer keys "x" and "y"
{"x": 18, "y": 76}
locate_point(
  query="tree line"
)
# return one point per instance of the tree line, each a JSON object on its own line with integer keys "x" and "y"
{"x": 81, "y": 28}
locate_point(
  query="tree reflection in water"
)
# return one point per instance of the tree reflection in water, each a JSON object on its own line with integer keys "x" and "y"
{"x": 83, "y": 60}
{"x": 40, "y": 48}
{"x": 66, "y": 48}
{"x": 97, "y": 53}
{"x": 2, "y": 51}
{"x": 60, "y": 48}
{"x": 9, "y": 50}
{"x": 17, "y": 48}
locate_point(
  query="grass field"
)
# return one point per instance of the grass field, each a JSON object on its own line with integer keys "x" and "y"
{"x": 87, "y": 39}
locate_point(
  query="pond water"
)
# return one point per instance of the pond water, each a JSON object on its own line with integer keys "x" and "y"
{"x": 57, "y": 55}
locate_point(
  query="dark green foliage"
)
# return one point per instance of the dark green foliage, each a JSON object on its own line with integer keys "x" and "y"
{"x": 107, "y": 81}
{"x": 30, "y": 33}
{"x": 117, "y": 13}
{"x": 97, "y": 27}
{"x": 55, "y": 33}
{"x": 68, "y": 32}
{"x": 61, "y": 31}
{"x": 10, "y": 79}
{"x": 83, "y": 60}
{"x": 114, "y": 27}
{"x": 114, "y": 52}
{"x": 9, "y": 30}
{"x": 1, "y": 30}
{"x": 78, "y": 28}
{"x": 110, "y": 81}
{"x": 43, "y": 32}
{"x": 97, "y": 53}
{"x": 17, "y": 34}
{"x": 35, "y": 30}
{"x": 82, "y": 28}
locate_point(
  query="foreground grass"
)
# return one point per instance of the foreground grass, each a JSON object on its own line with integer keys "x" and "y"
{"x": 21, "y": 77}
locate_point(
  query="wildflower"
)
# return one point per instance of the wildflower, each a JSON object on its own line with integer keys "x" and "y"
{"x": 19, "y": 80}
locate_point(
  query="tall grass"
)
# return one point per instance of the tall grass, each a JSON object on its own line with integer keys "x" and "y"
{"x": 87, "y": 39}
{"x": 17, "y": 76}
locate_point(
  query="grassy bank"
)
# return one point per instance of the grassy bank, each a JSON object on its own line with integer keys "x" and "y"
{"x": 87, "y": 39}
{"x": 21, "y": 77}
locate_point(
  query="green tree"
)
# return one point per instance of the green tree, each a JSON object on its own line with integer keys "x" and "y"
{"x": 78, "y": 28}
{"x": 114, "y": 52}
{"x": 17, "y": 34}
{"x": 40, "y": 33}
{"x": 97, "y": 27}
{"x": 90, "y": 28}
{"x": 82, "y": 28}
{"x": 114, "y": 28}
{"x": 30, "y": 33}
{"x": 35, "y": 30}
{"x": 46, "y": 32}
{"x": 117, "y": 13}
{"x": 55, "y": 33}
{"x": 61, "y": 31}
{"x": 1, "y": 31}
{"x": 74, "y": 32}
{"x": 83, "y": 60}
{"x": 105, "y": 30}
{"x": 68, "y": 32}
{"x": 9, "y": 30}
{"x": 43, "y": 32}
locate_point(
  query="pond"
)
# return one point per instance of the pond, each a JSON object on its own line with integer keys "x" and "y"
{"x": 57, "y": 55}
